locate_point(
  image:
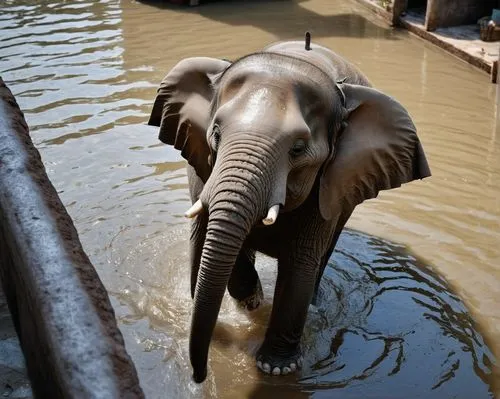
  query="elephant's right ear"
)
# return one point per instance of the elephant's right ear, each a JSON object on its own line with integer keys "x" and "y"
{"x": 182, "y": 109}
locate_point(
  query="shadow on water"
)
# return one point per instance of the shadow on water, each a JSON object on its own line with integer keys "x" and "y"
{"x": 387, "y": 326}
{"x": 284, "y": 19}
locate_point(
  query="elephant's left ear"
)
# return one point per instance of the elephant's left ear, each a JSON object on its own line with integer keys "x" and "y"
{"x": 377, "y": 150}
{"x": 182, "y": 109}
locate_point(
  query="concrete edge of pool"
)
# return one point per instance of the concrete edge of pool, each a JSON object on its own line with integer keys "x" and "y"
{"x": 439, "y": 27}
{"x": 60, "y": 308}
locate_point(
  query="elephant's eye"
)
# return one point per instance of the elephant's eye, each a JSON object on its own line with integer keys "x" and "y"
{"x": 215, "y": 137}
{"x": 299, "y": 147}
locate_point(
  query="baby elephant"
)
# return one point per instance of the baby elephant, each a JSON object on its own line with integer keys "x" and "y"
{"x": 282, "y": 145}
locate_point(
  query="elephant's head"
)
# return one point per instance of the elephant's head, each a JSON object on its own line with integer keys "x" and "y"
{"x": 265, "y": 132}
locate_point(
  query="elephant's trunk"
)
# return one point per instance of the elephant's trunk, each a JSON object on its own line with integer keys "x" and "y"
{"x": 222, "y": 245}
{"x": 237, "y": 196}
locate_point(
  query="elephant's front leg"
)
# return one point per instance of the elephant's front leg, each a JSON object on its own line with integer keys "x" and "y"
{"x": 280, "y": 352}
{"x": 244, "y": 284}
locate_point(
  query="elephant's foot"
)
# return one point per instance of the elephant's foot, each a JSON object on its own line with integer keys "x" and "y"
{"x": 252, "y": 301}
{"x": 279, "y": 365}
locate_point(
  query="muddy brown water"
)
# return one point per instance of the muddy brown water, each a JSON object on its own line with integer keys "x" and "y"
{"x": 410, "y": 302}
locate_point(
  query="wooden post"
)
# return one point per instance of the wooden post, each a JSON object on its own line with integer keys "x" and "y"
{"x": 398, "y": 8}
{"x": 432, "y": 15}
{"x": 497, "y": 75}
{"x": 494, "y": 72}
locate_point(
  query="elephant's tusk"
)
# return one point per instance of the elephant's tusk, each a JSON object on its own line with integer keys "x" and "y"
{"x": 194, "y": 210}
{"x": 272, "y": 215}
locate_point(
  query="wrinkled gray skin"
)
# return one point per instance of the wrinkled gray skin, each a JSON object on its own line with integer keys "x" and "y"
{"x": 302, "y": 129}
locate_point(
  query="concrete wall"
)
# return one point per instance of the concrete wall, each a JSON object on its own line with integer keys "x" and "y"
{"x": 61, "y": 311}
{"x": 443, "y": 13}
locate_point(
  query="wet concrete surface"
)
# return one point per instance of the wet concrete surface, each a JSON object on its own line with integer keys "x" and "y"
{"x": 462, "y": 41}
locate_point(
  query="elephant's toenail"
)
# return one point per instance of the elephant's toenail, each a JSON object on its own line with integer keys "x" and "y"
{"x": 299, "y": 361}
{"x": 259, "y": 364}
{"x": 286, "y": 370}
{"x": 293, "y": 366}
{"x": 266, "y": 368}
{"x": 276, "y": 371}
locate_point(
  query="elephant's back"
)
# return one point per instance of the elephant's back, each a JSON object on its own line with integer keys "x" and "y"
{"x": 327, "y": 60}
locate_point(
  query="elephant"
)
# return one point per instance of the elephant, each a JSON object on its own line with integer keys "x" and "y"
{"x": 281, "y": 146}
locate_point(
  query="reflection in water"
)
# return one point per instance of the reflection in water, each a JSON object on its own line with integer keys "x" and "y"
{"x": 329, "y": 21}
{"x": 85, "y": 73}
